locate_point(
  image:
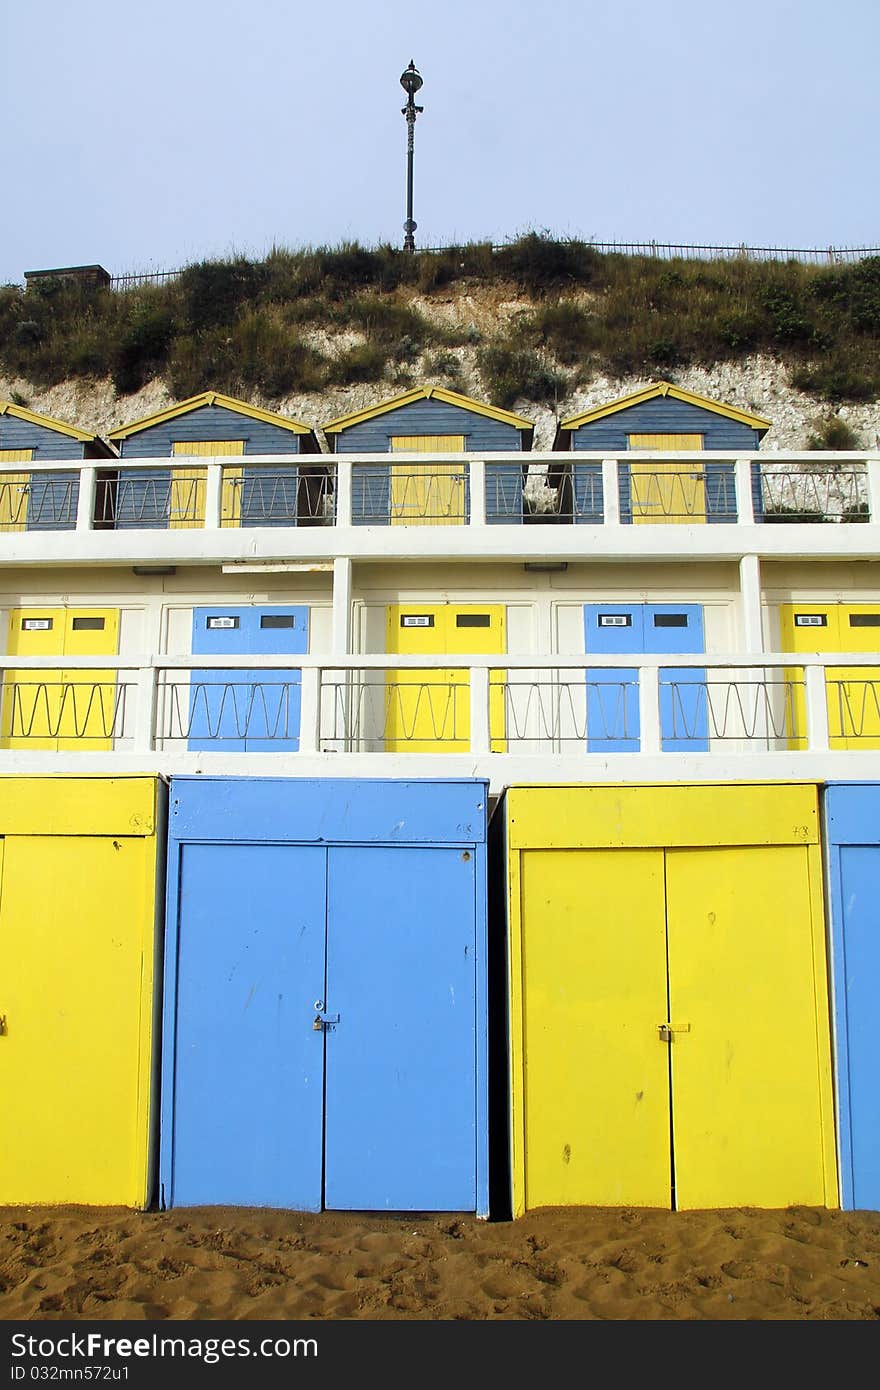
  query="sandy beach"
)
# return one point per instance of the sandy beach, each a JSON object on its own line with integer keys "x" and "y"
{"x": 90, "y": 1263}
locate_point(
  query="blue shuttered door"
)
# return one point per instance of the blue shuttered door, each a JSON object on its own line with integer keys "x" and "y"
{"x": 248, "y": 710}
{"x": 612, "y": 695}
{"x": 243, "y": 1070}
{"x": 671, "y": 628}
{"x": 401, "y": 1062}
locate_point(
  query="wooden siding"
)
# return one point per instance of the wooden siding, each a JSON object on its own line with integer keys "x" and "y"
{"x": 663, "y": 415}
{"x": 426, "y": 417}
{"x": 46, "y": 443}
{"x": 212, "y": 422}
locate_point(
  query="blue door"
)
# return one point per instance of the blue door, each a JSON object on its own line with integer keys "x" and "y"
{"x": 853, "y": 815}
{"x": 247, "y": 711}
{"x": 613, "y": 695}
{"x": 243, "y": 1068}
{"x": 401, "y": 1062}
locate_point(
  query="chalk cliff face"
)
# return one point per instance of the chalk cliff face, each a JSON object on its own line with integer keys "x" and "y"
{"x": 759, "y": 384}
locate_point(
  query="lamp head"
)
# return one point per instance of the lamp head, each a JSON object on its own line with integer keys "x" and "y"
{"x": 410, "y": 79}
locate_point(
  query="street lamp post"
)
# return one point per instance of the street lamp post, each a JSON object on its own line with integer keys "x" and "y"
{"x": 410, "y": 81}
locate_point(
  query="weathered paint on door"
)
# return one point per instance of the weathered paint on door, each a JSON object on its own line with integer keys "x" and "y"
{"x": 429, "y": 710}
{"x": 65, "y": 708}
{"x": 706, "y": 902}
{"x": 187, "y": 505}
{"x": 745, "y": 946}
{"x": 247, "y": 1069}
{"x": 77, "y": 911}
{"x": 852, "y": 827}
{"x": 423, "y": 494}
{"x": 401, "y": 1065}
{"x": 596, "y": 1083}
{"x": 613, "y": 695}
{"x": 664, "y": 492}
{"x": 14, "y": 490}
{"x": 247, "y": 711}
{"x": 853, "y": 692}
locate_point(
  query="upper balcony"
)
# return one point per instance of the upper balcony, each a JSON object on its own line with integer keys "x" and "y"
{"x": 570, "y": 506}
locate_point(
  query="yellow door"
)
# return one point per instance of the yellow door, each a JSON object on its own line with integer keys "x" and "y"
{"x": 61, "y": 709}
{"x": 593, "y": 985}
{"x": 75, "y": 982}
{"x": 14, "y": 490}
{"x": 853, "y": 692}
{"x": 429, "y": 711}
{"x": 89, "y": 699}
{"x": 187, "y": 507}
{"x": 427, "y": 494}
{"x": 667, "y": 492}
{"x": 750, "y": 1049}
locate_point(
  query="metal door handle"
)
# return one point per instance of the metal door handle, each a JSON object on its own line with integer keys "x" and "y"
{"x": 2, "y": 1025}
{"x": 668, "y": 1030}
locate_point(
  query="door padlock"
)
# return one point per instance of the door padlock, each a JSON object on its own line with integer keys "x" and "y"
{"x": 665, "y": 1032}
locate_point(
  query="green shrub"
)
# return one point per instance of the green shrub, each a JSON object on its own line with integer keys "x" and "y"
{"x": 511, "y": 374}
{"x": 537, "y": 262}
{"x": 366, "y": 362}
{"x": 833, "y": 433}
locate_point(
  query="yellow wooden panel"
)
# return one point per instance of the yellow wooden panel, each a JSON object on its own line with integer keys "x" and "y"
{"x": 594, "y": 1075}
{"x": 89, "y": 698}
{"x": 667, "y": 494}
{"x": 187, "y": 509}
{"x": 751, "y": 1079}
{"x": 429, "y": 711}
{"x": 32, "y": 699}
{"x": 853, "y": 692}
{"x": 14, "y": 491}
{"x": 422, "y": 494}
{"x": 666, "y": 443}
{"x": 75, "y": 987}
{"x": 632, "y": 817}
{"x": 78, "y": 805}
{"x": 230, "y": 497}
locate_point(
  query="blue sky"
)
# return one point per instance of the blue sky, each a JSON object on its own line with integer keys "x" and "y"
{"x": 144, "y": 137}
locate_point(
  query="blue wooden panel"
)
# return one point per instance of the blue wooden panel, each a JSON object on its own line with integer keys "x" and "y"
{"x": 427, "y": 416}
{"x": 613, "y": 629}
{"x": 664, "y": 415}
{"x": 242, "y": 1067}
{"x": 325, "y": 809}
{"x": 852, "y": 827}
{"x": 402, "y": 1062}
{"x": 269, "y": 496}
{"x": 371, "y": 495}
{"x": 504, "y": 494}
{"x": 247, "y": 711}
{"x": 588, "y": 495}
{"x": 211, "y": 422}
{"x": 141, "y": 499}
{"x": 52, "y": 501}
{"x": 47, "y": 444}
{"x": 612, "y": 696}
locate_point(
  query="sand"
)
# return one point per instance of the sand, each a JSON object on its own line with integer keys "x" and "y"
{"x": 97, "y": 1264}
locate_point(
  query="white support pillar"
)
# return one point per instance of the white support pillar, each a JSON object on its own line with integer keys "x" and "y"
{"x": 343, "y": 490}
{"x": 310, "y": 710}
{"x": 342, "y": 570}
{"x": 85, "y": 507}
{"x": 750, "y": 601}
{"x": 146, "y": 693}
{"x": 213, "y": 496}
{"x": 610, "y": 492}
{"x": 649, "y": 710}
{"x": 872, "y": 469}
{"x": 479, "y": 711}
{"x": 817, "y": 709}
{"x": 745, "y": 507}
{"x": 477, "y": 484}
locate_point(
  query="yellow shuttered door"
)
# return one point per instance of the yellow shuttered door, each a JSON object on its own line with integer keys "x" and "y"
{"x": 76, "y": 978}
{"x": 667, "y": 492}
{"x": 750, "y": 1066}
{"x": 429, "y": 711}
{"x": 596, "y": 1083}
{"x": 65, "y": 708}
{"x": 853, "y": 692}
{"x": 187, "y": 508}
{"x": 14, "y": 490}
{"x": 423, "y": 494}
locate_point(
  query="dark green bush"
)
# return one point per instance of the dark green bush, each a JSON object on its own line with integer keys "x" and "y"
{"x": 511, "y": 374}
{"x": 833, "y": 433}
